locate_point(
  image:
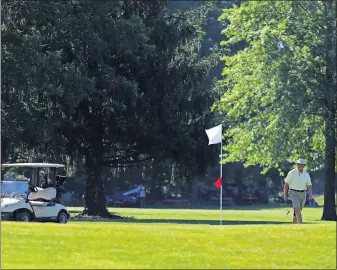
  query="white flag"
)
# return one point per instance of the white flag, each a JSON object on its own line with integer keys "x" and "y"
{"x": 214, "y": 134}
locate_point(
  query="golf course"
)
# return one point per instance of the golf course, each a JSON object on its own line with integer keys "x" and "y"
{"x": 168, "y": 134}
{"x": 249, "y": 237}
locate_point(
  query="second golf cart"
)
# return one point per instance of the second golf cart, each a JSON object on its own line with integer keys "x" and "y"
{"x": 31, "y": 192}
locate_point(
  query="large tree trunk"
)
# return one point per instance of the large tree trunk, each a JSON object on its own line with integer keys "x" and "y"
{"x": 94, "y": 196}
{"x": 329, "y": 210}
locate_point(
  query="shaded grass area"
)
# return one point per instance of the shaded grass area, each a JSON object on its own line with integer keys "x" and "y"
{"x": 273, "y": 205}
{"x": 174, "y": 238}
{"x": 235, "y": 215}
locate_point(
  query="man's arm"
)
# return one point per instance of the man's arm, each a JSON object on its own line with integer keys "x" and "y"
{"x": 287, "y": 181}
{"x": 285, "y": 191}
{"x": 310, "y": 192}
{"x": 309, "y": 185}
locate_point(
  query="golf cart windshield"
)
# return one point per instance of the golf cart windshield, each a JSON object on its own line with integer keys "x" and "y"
{"x": 38, "y": 174}
{"x": 17, "y": 174}
{"x": 14, "y": 188}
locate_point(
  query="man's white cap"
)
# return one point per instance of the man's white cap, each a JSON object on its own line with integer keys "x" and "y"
{"x": 301, "y": 161}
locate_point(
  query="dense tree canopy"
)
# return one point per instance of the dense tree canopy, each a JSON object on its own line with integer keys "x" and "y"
{"x": 110, "y": 83}
{"x": 115, "y": 84}
{"x": 280, "y": 97}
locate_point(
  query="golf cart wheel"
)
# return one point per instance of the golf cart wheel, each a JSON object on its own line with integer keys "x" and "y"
{"x": 62, "y": 217}
{"x": 23, "y": 216}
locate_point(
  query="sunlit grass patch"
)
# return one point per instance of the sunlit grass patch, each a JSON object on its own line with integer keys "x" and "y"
{"x": 174, "y": 238}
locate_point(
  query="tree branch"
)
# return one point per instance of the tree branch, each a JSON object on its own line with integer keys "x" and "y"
{"x": 277, "y": 12}
{"x": 134, "y": 165}
{"x": 321, "y": 26}
{"x": 125, "y": 161}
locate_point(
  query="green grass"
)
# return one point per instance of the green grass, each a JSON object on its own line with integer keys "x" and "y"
{"x": 320, "y": 199}
{"x": 174, "y": 238}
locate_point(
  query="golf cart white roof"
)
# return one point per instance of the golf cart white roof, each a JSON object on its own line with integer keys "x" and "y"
{"x": 34, "y": 165}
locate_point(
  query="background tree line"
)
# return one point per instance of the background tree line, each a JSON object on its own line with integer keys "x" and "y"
{"x": 109, "y": 85}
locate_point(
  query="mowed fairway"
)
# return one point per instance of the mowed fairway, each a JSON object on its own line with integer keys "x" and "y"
{"x": 174, "y": 238}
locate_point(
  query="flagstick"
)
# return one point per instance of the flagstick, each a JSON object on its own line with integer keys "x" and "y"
{"x": 221, "y": 179}
{"x": 215, "y": 136}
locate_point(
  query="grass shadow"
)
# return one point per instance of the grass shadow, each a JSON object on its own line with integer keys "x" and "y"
{"x": 216, "y": 207}
{"x": 75, "y": 211}
{"x": 235, "y": 207}
{"x": 186, "y": 221}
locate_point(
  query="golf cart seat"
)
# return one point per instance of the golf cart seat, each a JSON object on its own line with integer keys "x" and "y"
{"x": 38, "y": 203}
{"x": 46, "y": 194}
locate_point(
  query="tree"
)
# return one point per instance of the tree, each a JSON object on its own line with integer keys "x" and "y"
{"x": 280, "y": 96}
{"x": 108, "y": 83}
{"x": 25, "y": 109}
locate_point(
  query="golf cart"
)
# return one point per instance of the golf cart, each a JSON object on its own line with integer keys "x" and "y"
{"x": 31, "y": 192}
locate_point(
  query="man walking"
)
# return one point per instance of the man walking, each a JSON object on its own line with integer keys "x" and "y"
{"x": 297, "y": 183}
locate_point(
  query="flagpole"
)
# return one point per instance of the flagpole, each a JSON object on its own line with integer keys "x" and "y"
{"x": 221, "y": 178}
{"x": 215, "y": 136}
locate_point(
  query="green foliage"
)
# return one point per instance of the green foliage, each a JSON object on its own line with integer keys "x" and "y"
{"x": 81, "y": 61}
{"x": 277, "y": 93}
{"x": 107, "y": 83}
